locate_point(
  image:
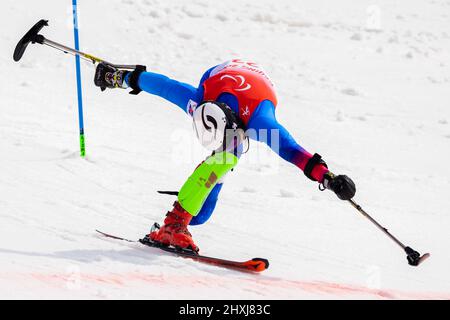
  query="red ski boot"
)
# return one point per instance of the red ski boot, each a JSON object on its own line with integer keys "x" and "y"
{"x": 174, "y": 232}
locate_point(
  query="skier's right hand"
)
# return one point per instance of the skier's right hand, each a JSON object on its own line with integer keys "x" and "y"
{"x": 109, "y": 77}
{"x": 343, "y": 186}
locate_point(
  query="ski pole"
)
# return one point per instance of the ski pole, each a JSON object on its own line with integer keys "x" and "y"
{"x": 33, "y": 36}
{"x": 412, "y": 256}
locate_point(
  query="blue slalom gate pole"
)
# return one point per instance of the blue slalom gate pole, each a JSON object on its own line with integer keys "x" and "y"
{"x": 78, "y": 71}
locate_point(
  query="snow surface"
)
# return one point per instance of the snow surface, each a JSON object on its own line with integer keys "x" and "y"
{"x": 364, "y": 83}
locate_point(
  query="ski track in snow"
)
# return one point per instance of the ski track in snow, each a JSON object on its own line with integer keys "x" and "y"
{"x": 365, "y": 84}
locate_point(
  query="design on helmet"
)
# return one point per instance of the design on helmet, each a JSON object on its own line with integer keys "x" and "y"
{"x": 217, "y": 127}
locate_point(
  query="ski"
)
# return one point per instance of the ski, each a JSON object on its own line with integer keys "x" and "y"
{"x": 253, "y": 265}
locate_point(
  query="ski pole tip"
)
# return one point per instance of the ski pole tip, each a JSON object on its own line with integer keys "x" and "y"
{"x": 414, "y": 258}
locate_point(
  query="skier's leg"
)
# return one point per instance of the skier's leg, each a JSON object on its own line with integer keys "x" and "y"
{"x": 210, "y": 203}
{"x": 191, "y": 198}
{"x": 208, "y": 207}
{"x": 197, "y": 188}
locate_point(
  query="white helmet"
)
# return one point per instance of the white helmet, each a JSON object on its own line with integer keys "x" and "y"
{"x": 217, "y": 127}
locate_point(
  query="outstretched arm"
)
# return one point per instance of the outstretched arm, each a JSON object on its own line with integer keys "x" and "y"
{"x": 182, "y": 94}
{"x": 261, "y": 125}
{"x": 263, "y": 122}
{"x": 178, "y": 93}
{"x": 174, "y": 91}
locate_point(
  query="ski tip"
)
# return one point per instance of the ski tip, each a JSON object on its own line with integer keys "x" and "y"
{"x": 258, "y": 264}
{"x": 107, "y": 235}
{"x": 424, "y": 257}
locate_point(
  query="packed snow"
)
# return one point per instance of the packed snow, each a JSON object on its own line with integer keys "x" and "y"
{"x": 364, "y": 83}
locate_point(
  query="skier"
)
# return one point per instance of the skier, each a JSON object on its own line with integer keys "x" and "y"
{"x": 233, "y": 102}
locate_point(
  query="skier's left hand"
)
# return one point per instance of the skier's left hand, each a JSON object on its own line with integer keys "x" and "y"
{"x": 109, "y": 77}
{"x": 342, "y": 185}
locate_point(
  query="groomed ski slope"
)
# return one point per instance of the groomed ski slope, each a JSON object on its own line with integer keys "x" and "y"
{"x": 364, "y": 83}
